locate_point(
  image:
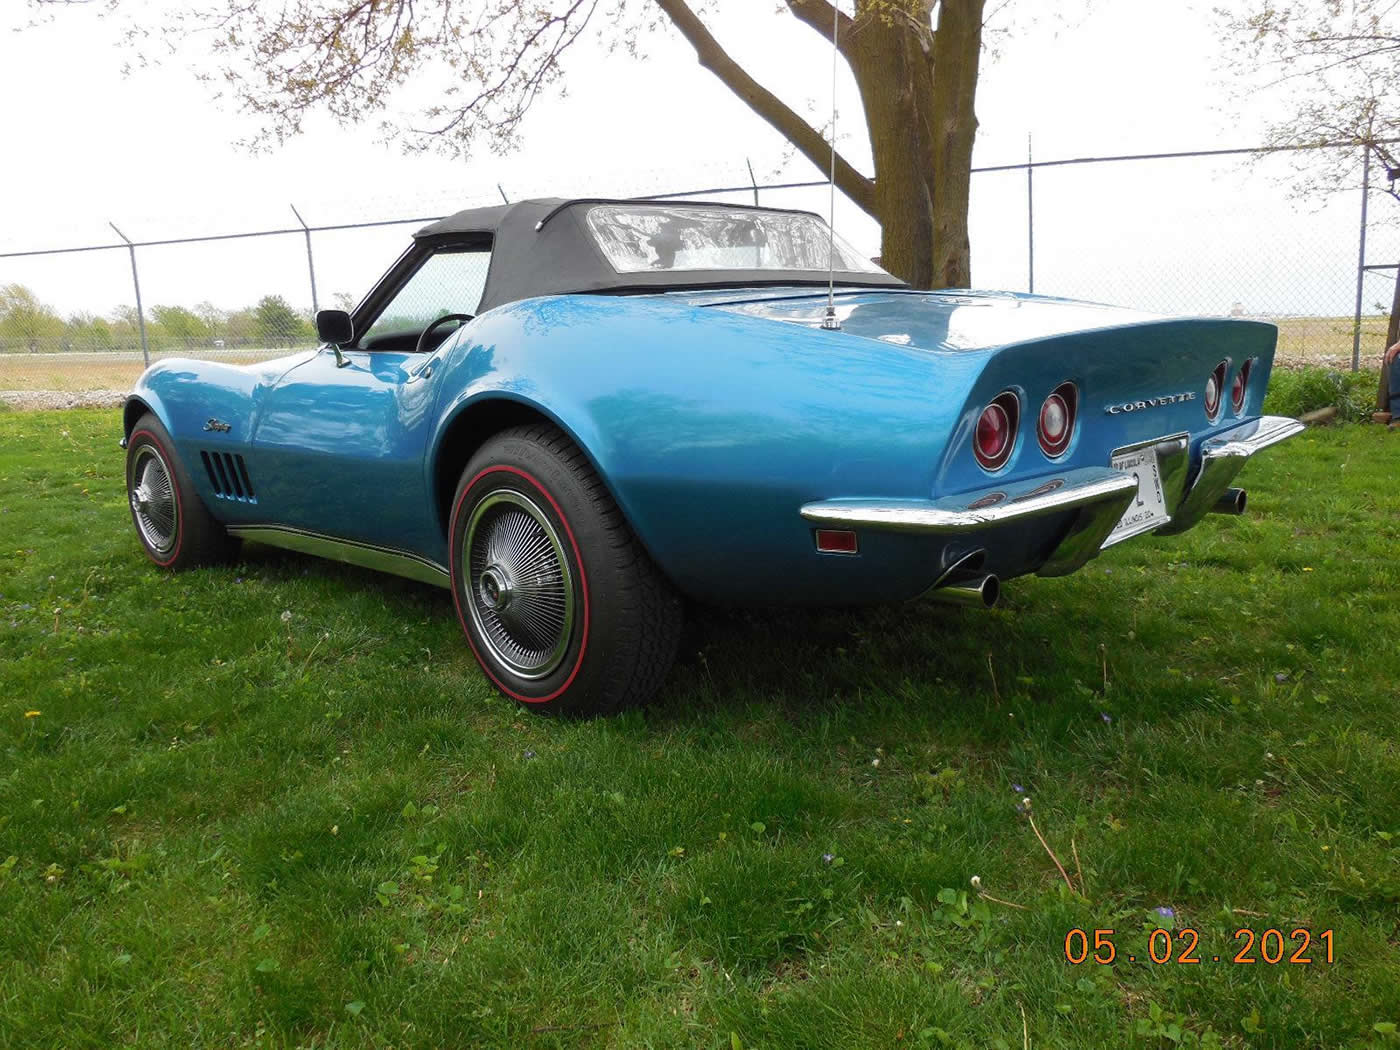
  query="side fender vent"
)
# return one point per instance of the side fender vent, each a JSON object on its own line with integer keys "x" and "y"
{"x": 228, "y": 476}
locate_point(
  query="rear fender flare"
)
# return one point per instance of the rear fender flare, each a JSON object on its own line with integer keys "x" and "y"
{"x": 474, "y": 418}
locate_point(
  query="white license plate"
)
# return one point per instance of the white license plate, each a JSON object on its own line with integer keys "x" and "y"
{"x": 1149, "y": 508}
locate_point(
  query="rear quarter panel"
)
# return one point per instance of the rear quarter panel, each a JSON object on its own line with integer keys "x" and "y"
{"x": 711, "y": 429}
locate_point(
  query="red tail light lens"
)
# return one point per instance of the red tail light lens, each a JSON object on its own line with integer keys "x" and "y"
{"x": 1240, "y": 386}
{"x": 996, "y": 431}
{"x": 1057, "y": 417}
{"x": 1215, "y": 386}
{"x": 837, "y": 541}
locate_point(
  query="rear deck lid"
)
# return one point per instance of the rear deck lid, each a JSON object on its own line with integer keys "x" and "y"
{"x": 937, "y": 321}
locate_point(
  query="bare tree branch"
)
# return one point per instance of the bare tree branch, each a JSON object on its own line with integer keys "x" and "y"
{"x": 820, "y": 15}
{"x": 767, "y": 105}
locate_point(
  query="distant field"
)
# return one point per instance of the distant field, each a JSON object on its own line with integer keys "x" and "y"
{"x": 1327, "y": 340}
{"x": 1302, "y": 340}
{"x": 79, "y": 372}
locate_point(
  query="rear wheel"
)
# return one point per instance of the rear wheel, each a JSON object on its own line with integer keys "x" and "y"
{"x": 564, "y": 609}
{"x": 175, "y": 528}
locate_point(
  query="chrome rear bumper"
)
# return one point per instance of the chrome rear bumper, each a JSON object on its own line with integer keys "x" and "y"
{"x": 1098, "y": 496}
{"x": 1221, "y": 459}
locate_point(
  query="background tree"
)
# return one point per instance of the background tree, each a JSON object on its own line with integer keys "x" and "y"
{"x": 276, "y": 324}
{"x": 86, "y": 331}
{"x": 24, "y": 319}
{"x": 241, "y": 327}
{"x": 181, "y": 325}
{"x": 915, "y": 63}
{"x": 1337, "y": 65}
{"x": 212, "y": 317}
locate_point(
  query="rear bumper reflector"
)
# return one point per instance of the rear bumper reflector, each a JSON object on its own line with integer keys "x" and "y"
{"x": 837, "y": 541}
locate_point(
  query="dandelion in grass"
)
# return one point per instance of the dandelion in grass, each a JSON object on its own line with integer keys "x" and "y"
{"x": 286, "y": 615}
{"x": 32, "y": 714}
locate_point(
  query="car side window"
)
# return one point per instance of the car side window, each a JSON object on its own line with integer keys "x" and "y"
{"x": 448, "y": 282}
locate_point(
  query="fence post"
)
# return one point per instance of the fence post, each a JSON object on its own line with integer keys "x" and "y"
{"x": 1030, "y": 218}
{"x": 136, "y": 284}
{"x": 310, "y": 259}
{"x": 1361, "y": 259}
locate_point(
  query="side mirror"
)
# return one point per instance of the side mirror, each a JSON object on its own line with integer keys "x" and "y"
{"x": 334, "y": 327}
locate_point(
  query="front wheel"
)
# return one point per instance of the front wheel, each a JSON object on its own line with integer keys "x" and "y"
{"x": 564, "y": 609}
{"x": 175, "y": 528}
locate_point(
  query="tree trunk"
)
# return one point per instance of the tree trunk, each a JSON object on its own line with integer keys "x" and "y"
{"x": 893, "y": 66}
{"x": 918, "y": 88}
{"x": 957, "y": 52}
{"x": 921, "y": 125}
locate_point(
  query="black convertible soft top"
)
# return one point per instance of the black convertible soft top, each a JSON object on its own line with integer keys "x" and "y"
{"x": 544, "y": 247}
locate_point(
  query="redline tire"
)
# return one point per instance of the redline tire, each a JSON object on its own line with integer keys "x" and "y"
{"x": 175, "y": 528}
{"x": 564, "y": 610}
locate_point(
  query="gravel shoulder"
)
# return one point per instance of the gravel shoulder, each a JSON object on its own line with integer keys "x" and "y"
{"x": 43, "y": 400}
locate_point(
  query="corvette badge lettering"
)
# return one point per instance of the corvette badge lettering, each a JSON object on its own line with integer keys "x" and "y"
{"x": 1148, "y": 402}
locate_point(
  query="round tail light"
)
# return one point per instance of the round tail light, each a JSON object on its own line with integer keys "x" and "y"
{"x": 995, "y": 436}
{"x": 1057, "y": 417}
{"x": 1240, "y": 386}
{"x": 1215, "y": 386}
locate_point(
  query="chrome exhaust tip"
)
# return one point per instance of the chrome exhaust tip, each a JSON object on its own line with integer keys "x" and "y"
{"x": 1231, "y": 501}
{"x": 982, "y": 592}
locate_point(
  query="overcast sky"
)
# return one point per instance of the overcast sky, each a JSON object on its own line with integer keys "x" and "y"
{"x": 154, "y": 153}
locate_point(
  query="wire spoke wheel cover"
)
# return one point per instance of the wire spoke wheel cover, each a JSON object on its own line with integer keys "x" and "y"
{"x": 520, "y": 590}
{"x": 153, "y": 502}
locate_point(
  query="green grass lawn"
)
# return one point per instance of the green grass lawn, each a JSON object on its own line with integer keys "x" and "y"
{"x": 277, "y": 804}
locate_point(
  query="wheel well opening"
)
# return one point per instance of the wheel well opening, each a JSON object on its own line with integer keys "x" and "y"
{"x": 467, "y": 433}
{"x": 133, "y": 410}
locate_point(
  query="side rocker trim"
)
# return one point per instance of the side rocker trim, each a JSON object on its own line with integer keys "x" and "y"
{"x": 365, "y": 555}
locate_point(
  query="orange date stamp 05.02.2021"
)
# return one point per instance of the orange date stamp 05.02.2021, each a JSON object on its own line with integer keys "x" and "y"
{"x": 1271, "y": 947}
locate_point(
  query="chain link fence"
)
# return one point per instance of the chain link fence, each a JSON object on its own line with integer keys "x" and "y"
{"x": 1217, "y": 233}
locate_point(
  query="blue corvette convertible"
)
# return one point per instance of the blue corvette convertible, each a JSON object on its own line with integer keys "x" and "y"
{"x": 572, "y": 413}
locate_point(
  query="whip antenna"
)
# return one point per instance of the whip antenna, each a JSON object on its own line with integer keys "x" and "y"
{"x": 830, "y": 321}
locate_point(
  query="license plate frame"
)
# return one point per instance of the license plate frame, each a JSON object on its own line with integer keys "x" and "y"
{"x": 1148, "y": 510}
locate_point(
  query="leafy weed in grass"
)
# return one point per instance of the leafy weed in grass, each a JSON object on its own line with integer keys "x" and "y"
{"x": 229, "y": 829}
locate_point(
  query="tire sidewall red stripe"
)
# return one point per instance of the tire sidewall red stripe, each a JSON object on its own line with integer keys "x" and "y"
{"x": 455, "y": 570}
{"x": 169, "y": 459}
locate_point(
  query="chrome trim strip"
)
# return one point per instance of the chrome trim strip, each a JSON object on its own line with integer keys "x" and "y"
{"x": 365, "y": 555}
{"x": 1221, "y": 459}
{"x": 1093, "y": 486}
